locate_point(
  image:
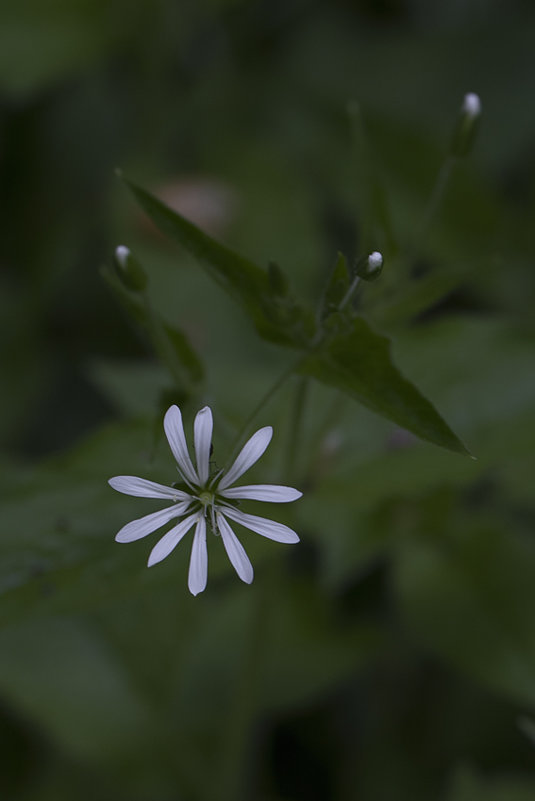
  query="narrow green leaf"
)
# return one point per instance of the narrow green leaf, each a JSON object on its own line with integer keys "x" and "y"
{"x": 277, "y": 320}
{"x": 357, "y": 361}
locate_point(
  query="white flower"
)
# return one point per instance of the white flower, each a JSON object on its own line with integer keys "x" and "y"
{"x": 206, "y": 500}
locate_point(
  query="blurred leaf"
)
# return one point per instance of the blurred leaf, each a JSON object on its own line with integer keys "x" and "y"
{"x": 170, "y": 343}
{"x": 42, "y": 42}
{"x": 471, "y": 601}
{"x": 68, "y": 682}
{"x": 132, "y": 387}
{"x": 357, "y": 361}
{"x": 276, "y": 319}
{"x": 470, "y": 786}
{"x": 308, "y": 649}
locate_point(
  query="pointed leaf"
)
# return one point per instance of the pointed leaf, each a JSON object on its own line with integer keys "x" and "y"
{"x": 357, "y": 361}
{"x": 276, "y": 319}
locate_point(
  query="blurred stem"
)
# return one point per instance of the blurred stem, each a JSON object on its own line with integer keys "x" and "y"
{"x": 349, "y": 294}
{"x": 437, "y": 194}
{"x": 164, "y": 349}
{"x": 296, "y": 425}
{"x": 237, "y": 741}
{"x": 263, "y": 402}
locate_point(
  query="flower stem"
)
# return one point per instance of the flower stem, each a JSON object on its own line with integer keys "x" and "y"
{"x": 285, "y": 375}
{"x": 437, "y": 194}
{"x": 296, "y": 425}
{"x": 237, "y": 747}
{"x": 349, "y": 294}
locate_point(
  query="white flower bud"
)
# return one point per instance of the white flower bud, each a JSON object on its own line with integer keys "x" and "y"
{"x": 375, "y": 261}
{"x": 472, "y": 105}
{"x": 129, "y": 269}
{"x": 121, "y": 254}
{"x": 370, "y": 268}
{"x": 467, "y": 124}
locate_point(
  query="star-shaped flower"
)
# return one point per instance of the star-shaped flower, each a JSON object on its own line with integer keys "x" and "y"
{"x": 208, "y": 500}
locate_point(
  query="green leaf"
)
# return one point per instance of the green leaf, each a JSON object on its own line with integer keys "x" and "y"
{"x": 469, "y": 786}
{"x": 471, "y": 600}
{"x": 357, "y": 361}
{"x": 336, "y": 287}
{"x": 45, "y": 43}
{"x": 63, "y": 677}
{"x": 276, "y": 319}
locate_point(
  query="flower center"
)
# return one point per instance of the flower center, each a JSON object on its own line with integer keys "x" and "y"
{"x": 206, "y": 498}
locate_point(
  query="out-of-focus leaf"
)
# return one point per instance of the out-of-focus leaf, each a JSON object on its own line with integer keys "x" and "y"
{"x": 357, "y": 361}
{"x": 309, "y": 649}
{"x": 470, "y": 786}
{"x": 471, "y": 600}
{"x": 132, "y": 387}
{"x": 65, "y": 679}
{"x": 276, "y": 319}
{"x": 43, "y": 42}
{"x": 170, "y": 343}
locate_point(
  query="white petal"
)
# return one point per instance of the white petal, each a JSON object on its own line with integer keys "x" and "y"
{"x": 249, "y": 454}
{"x": 235, "y": 551}
{"x": 174, "y": 431}
{"x": 146, "y": 525}
{"x": 170, "y": 540}
{"x": 198, "y": 564}
{"x": 202, "y": 434}
{"x": 263, "y": 492}
{"x": 267, "y": 528}
{"x": 142, "y": 488}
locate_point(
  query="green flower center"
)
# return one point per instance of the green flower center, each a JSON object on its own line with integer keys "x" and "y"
{"x": 206, "y": 498}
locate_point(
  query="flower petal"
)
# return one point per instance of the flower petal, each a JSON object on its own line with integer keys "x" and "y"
{"x": 267, "y": 528}
{"x": 263, "y": 492}
{"x": 170, "y": 540}
{"x": 235, "y": 551}
{"x": 198, "y": 563}
{"x": 174, "y": 431}
{"x": 146, "y": 525}
{"x": 142, "y": 488}
{"x": 202, "y": 435}
{"x": 249, "y": 454}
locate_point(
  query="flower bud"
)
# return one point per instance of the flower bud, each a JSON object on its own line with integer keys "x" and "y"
{"x": 371, "y": 268}
{"x": 130, "y": 270}
{"x": 467, "y": 125}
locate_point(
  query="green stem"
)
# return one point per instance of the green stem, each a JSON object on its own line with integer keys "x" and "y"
{"x": 437, "y": 194}
{"x": 260, "y": 405}
{"x": 236, "y": 750}
{"x": 296, "y": 426}
{"x": 164, "y": 349}
{"x": 349, "y": 294}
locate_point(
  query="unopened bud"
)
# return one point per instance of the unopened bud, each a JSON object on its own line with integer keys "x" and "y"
{"x": 472, "y": 104}
{"x": 371, "y": 268}
{"x": 467, "y": 125}
{"x": 130, "y": 270}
